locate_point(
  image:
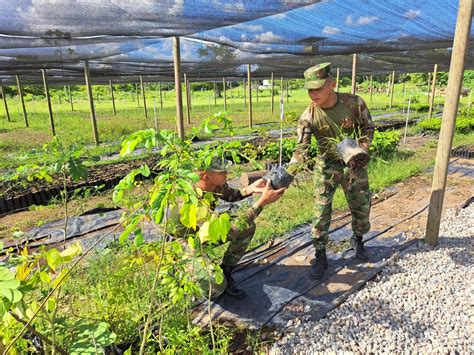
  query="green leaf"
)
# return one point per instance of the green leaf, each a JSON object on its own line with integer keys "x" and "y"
{"x": 53, "y": 258}
{"x": 214, "y": 231}
{"x": 145, "y": 170}
{"x": 192, "y": 243}
{"x": 6, "y": 274}
{"x": 188, "y": 215}
{"x": 194, "y": 177}
{"x": 219, "y": 276}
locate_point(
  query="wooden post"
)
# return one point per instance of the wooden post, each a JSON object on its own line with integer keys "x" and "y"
{"x": 112, "y": 96}
{"x": 190, "y": 94}
{"x": 448, "y": 122}
{"x": 403, "y": 91}
{"x": 138, "y": 96}
{"x": 224, "y": 93}
{"x": 287, "y": 91}
{"x": 142, "y": 86}
{"x": 2, "y": 91}
{"x": 22, "y": 100}
{"x": 337, "y": 80}
{"x": 273, "y": 91}
{"x": 392, "y": 86}
{"x": 215, "y": 93}
{"x": 433, "y": 90}
{"x": 371, "y": 88}
{"x": 48, "y": 100}
{"x": 70, "y": 97}
{"x": 469, "y": 103}
{"x": 408, "y": 118}
{"x": 186, "y": 90}
{"x": 161, "y": 95}
{"x": 231, "y": 98}
{"x": 257, "y": 89}
{"x": 91, "y": 102}
{"x": 177, "y": 82}
{"x": 155, "y": 117}
{"x": 249, "y": 83}
{"x": 354, "y": 73}
{"x": 245, "y": 94}
{"x": 428, "y": 90}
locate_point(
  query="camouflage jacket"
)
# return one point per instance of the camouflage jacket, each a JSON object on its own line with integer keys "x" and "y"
{"x": 349, "y": 116}
{"x": 241, "y": 220}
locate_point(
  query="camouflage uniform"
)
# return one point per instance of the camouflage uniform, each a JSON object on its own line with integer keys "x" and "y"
{"x": 239, "y": 237}
{"x": 350, "y": 116}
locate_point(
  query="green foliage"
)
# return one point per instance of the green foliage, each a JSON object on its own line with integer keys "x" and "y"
{"x": 384, "y": 144}
{"x": 22, "y": 291}
{"x": 56, "y": 159}
{"x": 463, "y": 124}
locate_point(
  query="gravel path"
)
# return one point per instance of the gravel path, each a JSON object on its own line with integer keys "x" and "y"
{"x": 423, "y": 301}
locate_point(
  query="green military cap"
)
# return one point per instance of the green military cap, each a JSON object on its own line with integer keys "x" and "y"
{"x": 219, "y": 164}
{"x": 316, "y": 76}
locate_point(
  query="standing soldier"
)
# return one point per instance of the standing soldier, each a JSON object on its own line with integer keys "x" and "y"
{"x": 329, "y": 117}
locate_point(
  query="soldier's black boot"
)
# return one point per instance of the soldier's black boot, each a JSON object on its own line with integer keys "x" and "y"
{"x": 320, "y": 264}
{"x": 232, "y": 289}
{"x": 358, "y": 246}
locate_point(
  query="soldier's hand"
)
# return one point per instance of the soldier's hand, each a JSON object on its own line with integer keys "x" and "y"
{"x": 257, "y": 186}
{"x": 269, "y": 194}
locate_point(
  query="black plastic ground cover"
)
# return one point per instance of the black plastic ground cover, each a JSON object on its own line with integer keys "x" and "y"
{"x": 271, "y": 287}
{"x": 463, "y": 151}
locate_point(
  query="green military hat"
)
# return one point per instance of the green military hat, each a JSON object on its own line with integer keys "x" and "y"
{"x": 219, "y": 164}
{"x": 316, "y": 76}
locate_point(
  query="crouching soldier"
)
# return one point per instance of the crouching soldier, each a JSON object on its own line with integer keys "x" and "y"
{"x": 243, "y": 227}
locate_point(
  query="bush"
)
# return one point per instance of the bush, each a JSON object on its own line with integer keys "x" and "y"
{"x": 384, "y": 144}
{"x": 463, "y": 124}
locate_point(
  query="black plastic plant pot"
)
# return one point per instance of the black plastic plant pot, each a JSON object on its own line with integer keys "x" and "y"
{"x": 279, "y": 177}
{"x": 348, "y": 150}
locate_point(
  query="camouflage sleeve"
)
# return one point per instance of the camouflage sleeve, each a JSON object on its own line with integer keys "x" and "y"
{"x": 230, "y": 194}
{"x": 364, "y": 122}
{"x": 242, "y": 220}
{"x": 300, "y": 154}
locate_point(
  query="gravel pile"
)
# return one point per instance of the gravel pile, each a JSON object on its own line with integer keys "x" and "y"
{"x": 423, "y": 301}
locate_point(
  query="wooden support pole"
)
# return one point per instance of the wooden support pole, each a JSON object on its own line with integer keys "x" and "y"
{"x": 428, "y": 89}
{"x": 22, "y": 100}
{"x": 91, "y": 102}
{"x": 2, "y": 91}
{"x": 371, "y": 88}
{"x": 177, "y": 82}
{"x": 224, "y": 93}
{"x": 245, "y": 94}
{"x": 142, "y": 86}
{"x": 456, "y": 70}
{"x": 256, "y": 88}
{"x": 392, "y": 86}
{"x": 354, "y": 73}
{"x": 433, "y": 91}
{"x": 273, "y": 92}
{"x": 138, "y": 96}
{"x": 186, "y": 90}
{"x": 337, "y": 80}
{"x": 249, "y": 83}
{"x": 70, "y": 97}
{"x": 161, "y": 95}
{"x": 190, "y": 94}
{"x": 48, "y": 100}
{"x": 112, "y": 96}
{"x": 287, "y": 91}
{"x": 215, "y": 93}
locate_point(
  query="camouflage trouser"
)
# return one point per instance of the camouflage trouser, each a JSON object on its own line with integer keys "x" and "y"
{"x": 328, "y": 175}
{"x": 238, "y": 243}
